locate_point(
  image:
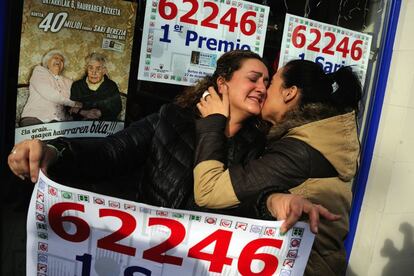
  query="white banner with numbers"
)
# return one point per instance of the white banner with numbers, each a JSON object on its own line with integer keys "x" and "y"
{"x": 329, "y": 45}
{"x": 75, "y": 232}
{"x": 182, "y": 40}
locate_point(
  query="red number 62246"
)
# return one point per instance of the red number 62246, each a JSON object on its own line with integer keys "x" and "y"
{"x": 299, "y": 41}
{"x": 220, "y": 237}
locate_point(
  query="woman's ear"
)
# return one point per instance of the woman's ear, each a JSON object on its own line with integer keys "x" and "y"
{"x": 290, "y": 94}
{"x": 221, "y": 84}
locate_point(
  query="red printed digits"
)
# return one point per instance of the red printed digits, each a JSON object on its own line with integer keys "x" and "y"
{"x": 298, "y": 37}
{"x": 219, "y": 257}
{"x": 220, "y": 239}
{"x": 186, "y": 18}
{"x": 56, "y": 220}
{"x": 169, "y": 11}
{"x": 249, "y": 254}
{"x": 245, "y": 21}
{"x": 127, "y": 227}
{"x": 163, "y": 6}
{"x": 177, "y": 236}
{"x": 299, "y": 41}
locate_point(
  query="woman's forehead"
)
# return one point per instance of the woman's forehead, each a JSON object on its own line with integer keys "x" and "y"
{"x": 57, "y": 56}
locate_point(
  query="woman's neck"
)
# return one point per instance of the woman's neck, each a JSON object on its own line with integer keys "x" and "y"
{"x": 234, "y": 124}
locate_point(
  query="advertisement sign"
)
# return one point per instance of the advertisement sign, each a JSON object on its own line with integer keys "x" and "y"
{"x": 182, "y": 40}
{"x": 74, "y": 67}
{"x": 75, "y": 232}
{"x": 331, "y": 46}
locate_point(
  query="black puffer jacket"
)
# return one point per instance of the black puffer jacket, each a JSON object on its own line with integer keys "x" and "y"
{"x": 151, "y": 161}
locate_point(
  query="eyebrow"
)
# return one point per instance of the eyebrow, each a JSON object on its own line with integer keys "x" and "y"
{"x": 260, "y": 74}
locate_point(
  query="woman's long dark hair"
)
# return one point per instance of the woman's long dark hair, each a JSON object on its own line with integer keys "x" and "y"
{"x": 341, "y": 89}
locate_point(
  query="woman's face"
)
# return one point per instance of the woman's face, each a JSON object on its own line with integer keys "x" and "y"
{"x": 247, "y": 88}
{"x": 55, "y": 64}
{"x": 276, "y": 106}
{"x": 95, "y": 71}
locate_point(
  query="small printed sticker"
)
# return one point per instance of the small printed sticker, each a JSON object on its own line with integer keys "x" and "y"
{"x": 41, "y": 246}
{"x": 210, "y": 220}
{"x": 289, "y": 262}
{"x": 241, "y": 225}
{"x": 196, "y": 218}
{"x": 52, "y": 191}
{"x": 162, "y": 213}
{"x": 270, "y": 231}
{"x": 293, "y": 254}
{"x": 99, "y": 201}
{"x": 295, "y": 242}
{"x": 114, "y": 204}
{"x": 83, "y": 198}
{"x": 226, "y": 223}
{"x": 256, "y": 229}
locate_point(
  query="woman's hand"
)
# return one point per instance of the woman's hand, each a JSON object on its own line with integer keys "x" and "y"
{"x": 213, "y": 104}
{"x": 290, "y": 207}
{"x": 28, "y": 156}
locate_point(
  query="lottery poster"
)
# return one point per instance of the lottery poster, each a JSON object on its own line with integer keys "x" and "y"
{"x": 182, "y": 40}
{"x": 75, "y": 232}
{"x": 73, "y": 68}
{"x": 331, "y": 46}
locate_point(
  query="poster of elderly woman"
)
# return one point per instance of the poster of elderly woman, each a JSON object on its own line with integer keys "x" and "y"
{"x": 74, "y": 68}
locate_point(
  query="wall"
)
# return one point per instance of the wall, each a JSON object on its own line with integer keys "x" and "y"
{"x": 384, "y": 241}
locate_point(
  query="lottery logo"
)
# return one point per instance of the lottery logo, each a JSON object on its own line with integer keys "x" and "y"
{"x": 270, "y": 231}
{"x": 40, "y": 217}
{"x": 99, "y": 201}
{"x": 66, "y": 195}
{"x": 40, "y": 196}
{"x": 114, "y": 204}
{"x": 284, "y": 272}
{"x": 297, "y": 231}
{"x": 83, "y": 198}
{"x": 129, "y": 207}
{"x": 162, "y": 213}
{"x": 196, "y": 218}
{"x": 52, "y": 191}
{"x": 293, "y": 254}
{"x": 41, "y": 226}
{"x": 42, "y": 268}
{"x": 289, "y": 262}
{"x": 42, "y": 258}
{"x": 256, "y": 229}
{"x": 210, "y": 220}
{"x": 41, "y": 246}
{"x": 225, "y": 223}
{"x": 294, "y": 242}
{"x": 42, "y": 235}
{"x": 241, "y": 225}
{"x": 42, "y": 184}
{"x": 178, "y": 215}
{"x": 40, "y": 207}
{"x": 145, "y": 210}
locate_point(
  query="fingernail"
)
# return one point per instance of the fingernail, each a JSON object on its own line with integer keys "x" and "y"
{"x": 282, "y": 231}
{"x": 315, "y": 229}
{"x": 34, "y": 179}
{"x": 21, "y": 177}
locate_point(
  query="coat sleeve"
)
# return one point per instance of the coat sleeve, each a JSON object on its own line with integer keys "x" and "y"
{"x": 284, "y": 165}
{"x": 100, "y": 158}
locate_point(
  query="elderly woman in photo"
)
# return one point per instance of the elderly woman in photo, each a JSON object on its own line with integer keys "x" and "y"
{"x": 49, "y": 92}
{"x": 98, "y": 94}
